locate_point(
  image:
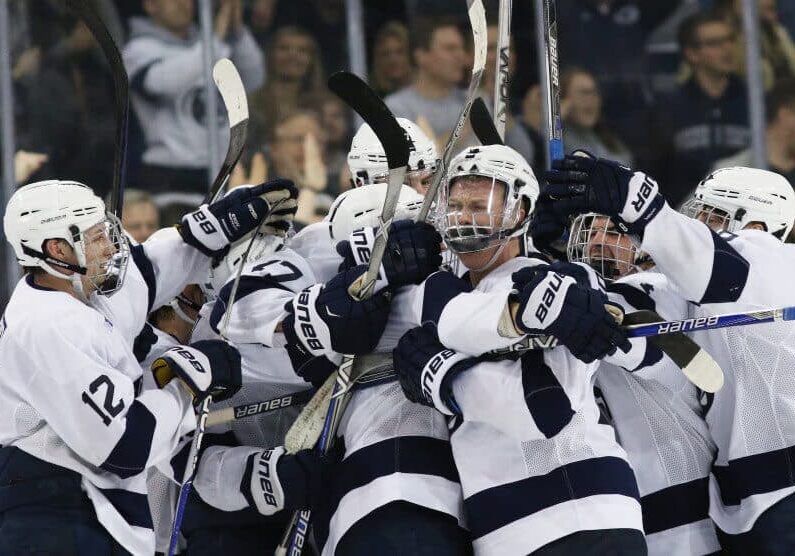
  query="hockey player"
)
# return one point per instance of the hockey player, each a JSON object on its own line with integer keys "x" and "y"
{"x": 77, "y": 435}
{"x": 750, "y": 418}
{"x": 540, "y": 474}
{"x": 654, "y": 409}
{"x": 396, "y": 490}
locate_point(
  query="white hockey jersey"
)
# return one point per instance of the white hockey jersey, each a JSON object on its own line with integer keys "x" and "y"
{"x": 752, "y": 418}
{"x": 70, "y": 386}
{"x": 378, "y": 423}
{"x": 535, "y": 463}
{"x": 659, "y": 422}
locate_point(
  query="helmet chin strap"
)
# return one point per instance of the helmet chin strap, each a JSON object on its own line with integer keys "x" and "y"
{"x": 493, "y": 258}
{"x": 174, "y": 304}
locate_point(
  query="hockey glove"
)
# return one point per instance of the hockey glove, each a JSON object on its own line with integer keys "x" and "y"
{"x": 426, "y": 368}
{"x": 212, "y": 228}
{"x": 413, "y": 252}
{"x": 324, "y": 318}
{"x": 207, "y": 367}
{"x": 555, "y": 304}
{"x": 275, "y": 481}
{"x": 582, "y": 183}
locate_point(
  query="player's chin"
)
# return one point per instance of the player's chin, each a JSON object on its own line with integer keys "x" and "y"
{"x": 477, "y": 260}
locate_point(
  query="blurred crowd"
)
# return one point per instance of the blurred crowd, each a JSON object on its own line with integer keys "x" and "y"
{"x": 656, "y": 84}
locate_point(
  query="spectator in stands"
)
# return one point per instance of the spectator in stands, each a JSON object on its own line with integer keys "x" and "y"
{"x": 294, "y": 71}
{"x": 778, "y": 50}
{"x": 516, "y": 136}
{"x": 583, "y": 127}
{"x": 260, "y": 18}
{"x": 780, "y": 133}
{"x": 164, "y": 62}
{"x": 434, "y": 95}
{"x": 139, "y": 217}
{"x": 335, "y": 121}
{"x": 706, "y": 119}
{"x": 391, "y": 68}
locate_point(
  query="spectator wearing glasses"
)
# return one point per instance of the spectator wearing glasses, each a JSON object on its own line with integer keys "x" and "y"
{"x": 706, "y": 118}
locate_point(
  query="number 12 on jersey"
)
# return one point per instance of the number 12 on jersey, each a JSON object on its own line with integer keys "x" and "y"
{"x": 110, "y": 410}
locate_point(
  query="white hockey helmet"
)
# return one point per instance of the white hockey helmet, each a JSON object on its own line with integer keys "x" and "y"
{"x": 732, "y": 198}
{"x": 62, "y": 209}
{"x": 595, "y": 241}
{"x": 367, "y": 159}
{"x": 467, "y": 232}
{"x": 361, "y": 207}
{"x": 222, "y": 270}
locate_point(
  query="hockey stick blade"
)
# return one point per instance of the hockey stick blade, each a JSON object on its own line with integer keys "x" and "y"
{"x": 230, "y": 85}
{"x": 483, "y": 125}
{"x": 85, "y": 10}
{"x": 477, "y": 20}
{"x": 358, "y": 95}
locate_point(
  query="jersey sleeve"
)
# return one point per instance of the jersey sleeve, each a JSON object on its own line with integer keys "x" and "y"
{"x": 93, "y": 407}
{"x": 220, "y": 474}
{"x": 258, "y": 308}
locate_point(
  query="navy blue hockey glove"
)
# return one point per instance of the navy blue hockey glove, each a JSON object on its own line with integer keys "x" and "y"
{"x": 207, "y": 367}
{"x": 325, "y": 319}
{"x": 426, "y": 368}
{"x": 547, "y": 228}
{"x": 212, "y": 228}
{"x": 274, "y": 480}
{"x": 413, "y": 252}
{"x": 553, "y": 303}
{"x": 579, "y": 184}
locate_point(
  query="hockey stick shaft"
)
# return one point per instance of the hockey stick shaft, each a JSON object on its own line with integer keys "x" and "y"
{"x": 228, "y": 82}
{"x": 547, "y": 31}
{"x": 87, "y": 13}
{"x": 244, "y": 411}
{"x": 501, "y": 72}
{"x": 711, "y": 323}
{"x": 477, "y": 19}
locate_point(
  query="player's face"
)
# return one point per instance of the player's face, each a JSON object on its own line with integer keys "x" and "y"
{"x": 609, "y": 251}
{"x": 478, "y": 202}
{"x": 420, "y": 180}
{"x": 715, "y": 218}
{"x": 98, "y": 250}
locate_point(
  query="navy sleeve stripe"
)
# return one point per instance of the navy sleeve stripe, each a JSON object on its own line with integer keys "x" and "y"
{"x": 652, "y": 356}
{"x": 440, "y": 288}
{"x": 729, "y": 273}
{"x": 675, "y": 506}
{"x": 137, "y": 81}
{"x": 496, "y": 507}
{"x": 131, "y": 452}
{"x": 544, "y": 396}
{"x": 147, "y": 271}
{"x": 757, "y": 474}
{"x": 132, "y": 506}
{"x": 637, "y": 298}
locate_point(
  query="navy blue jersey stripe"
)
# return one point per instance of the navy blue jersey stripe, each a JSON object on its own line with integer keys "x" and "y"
{"x": 544, "y": 396}
{"x": 496, "y": 507}
{"x": 729, "y": 273}
{"x": 675, "y": 506}
{"x": 406, "y": 454}
{"x": 248, "y": 285}
{"x": 634, "y": 296}
{"x": 133, "y": 507}
{"x": 147, "y": 271}
{"x": 137, "y": 81}
{"x": 651, "y": 356}
{"x": 757, "y": 474}
{"x": 131, "y": 452}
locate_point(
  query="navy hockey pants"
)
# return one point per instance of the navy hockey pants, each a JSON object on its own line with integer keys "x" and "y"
{"x": 605, "y": 542}
{"x": 43, "y": 511}
{"x": 400, "y": 528}
{"x": 773, "y": 534}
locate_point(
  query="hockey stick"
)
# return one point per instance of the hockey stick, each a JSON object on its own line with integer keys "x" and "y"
{"x": 477, "y": 19}
{"x": 483, "y": 125}
{"x": 229, "y": 84}
{"x": 84, "y": 9}
{"x": 359, "y": 96}
{"x": 501, "y": 78}
{"x": 547, "y": 29}
{"x": 243, "y": 411}
{"x": 227, "y": 80}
